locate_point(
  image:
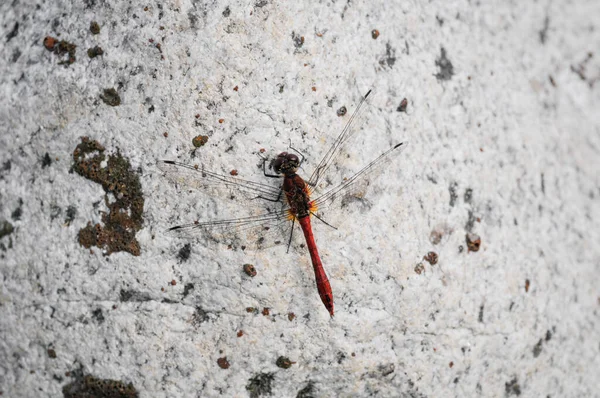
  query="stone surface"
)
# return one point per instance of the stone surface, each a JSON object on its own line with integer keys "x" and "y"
{"x": 502, "y": 119}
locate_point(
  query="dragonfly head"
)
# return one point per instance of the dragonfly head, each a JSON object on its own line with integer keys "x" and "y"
{"x": 285, "y": 163}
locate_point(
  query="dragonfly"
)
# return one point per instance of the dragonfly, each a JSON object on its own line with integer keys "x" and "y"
{"x": 294, "y": 195}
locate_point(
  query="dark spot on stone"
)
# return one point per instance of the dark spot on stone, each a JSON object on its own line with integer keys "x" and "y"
{"x": 111, "y": 97}
{"x": 13, "y": 33}
{"x": 95, "y": 52}
{"x": 51, "y": 353}
{"x": 54, "y": 211}
{"x": 298, "y": 40}
{"x": 151, "y": 109}
{"x": 15, "y": 55}
{"x": 307, "y": 392}
{"x": 543, "y": 183}
{"x": 187, "y": 289}
{"x": 6, "y": 228}
{"x": 46, "y": 161}
{"x": 389, "y": 58}
{"x": 403, "y": 105}
{"x": 98, "y": 315}
{"x": 446, "y": 69}
{"x": 537, "y": 349}
{"x": 548, "y": 335}
{"x": 227, "y": 12}
{"x": 133, "y": 295}
{"x": 184, "y": 252}
{"x": 468, "y": 195}
{"x": 94, "y": 27}
{"x": 199, "y": 316}
{"x": 470, "y": 221}
{"x": 512, "y": 387}
{"x": 387, "y": 369}
{"x": 284, "y": 362}
{"x": 544, "y": 31}
{"x": 480, "y": 317}
{"x": 18, "y": 212}
{"x": 261, "y": 3}
{"x": 260, "y": 385}
{"x": 70, "y": 214}
{"x": 453, "y": 195}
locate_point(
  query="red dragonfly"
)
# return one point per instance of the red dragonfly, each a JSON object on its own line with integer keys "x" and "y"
{"x": 297, "y": 206}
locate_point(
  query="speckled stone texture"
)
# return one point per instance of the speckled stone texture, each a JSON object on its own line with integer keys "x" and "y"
{"x": 500, "y": 181}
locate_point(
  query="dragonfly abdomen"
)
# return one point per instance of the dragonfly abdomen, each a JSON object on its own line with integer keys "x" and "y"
{"x": 323, "y": 285}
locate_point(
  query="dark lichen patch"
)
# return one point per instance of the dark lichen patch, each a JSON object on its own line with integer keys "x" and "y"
{"x": 91, "y": 387}
{"x": 284, "y": 362}
{"x": 95, "y": 51}
{"x": 94, "y": 27}
{"x": 446, "y": 69}
{"x": 117, "y": 178}
{"x": 512, "y": 387}
{"x": 60, "y": 48}
{"x": 199, "y": 141}
{"x": 6, "y": 228}
{"x": 260, "y": 385}
{"x": 111, "y": 97}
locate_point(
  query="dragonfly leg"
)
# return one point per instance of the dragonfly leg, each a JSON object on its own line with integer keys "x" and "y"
{"x": 298, "y": 152}
{"x": 291, "y": 234}
{"x": 265, "y": 169}
{"x": 277, "y": 199}
{"x": 323, "y": 221}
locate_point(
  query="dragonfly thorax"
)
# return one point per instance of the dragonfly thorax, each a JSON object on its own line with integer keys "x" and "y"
{"x": 285, "y": 163}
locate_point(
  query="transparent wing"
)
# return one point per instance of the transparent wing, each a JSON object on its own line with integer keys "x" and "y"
{"x": 349, "y": 130}
{"x": 198, "y": 177}
{"x": 268, "y": 228}
{"x": 351, "y": 185}
{"x": 255, "y": 232}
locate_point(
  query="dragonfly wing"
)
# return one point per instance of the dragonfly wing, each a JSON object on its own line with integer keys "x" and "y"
{"x": 353, "y": 188}
{"x": 352, "y": 126}
{"x": 198, "y": 177}
{"x": 255, "y": 232}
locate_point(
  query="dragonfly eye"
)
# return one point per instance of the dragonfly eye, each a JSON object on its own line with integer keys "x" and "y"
{"x": 293, "y": 159}
{"x": 277, "y": 163}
